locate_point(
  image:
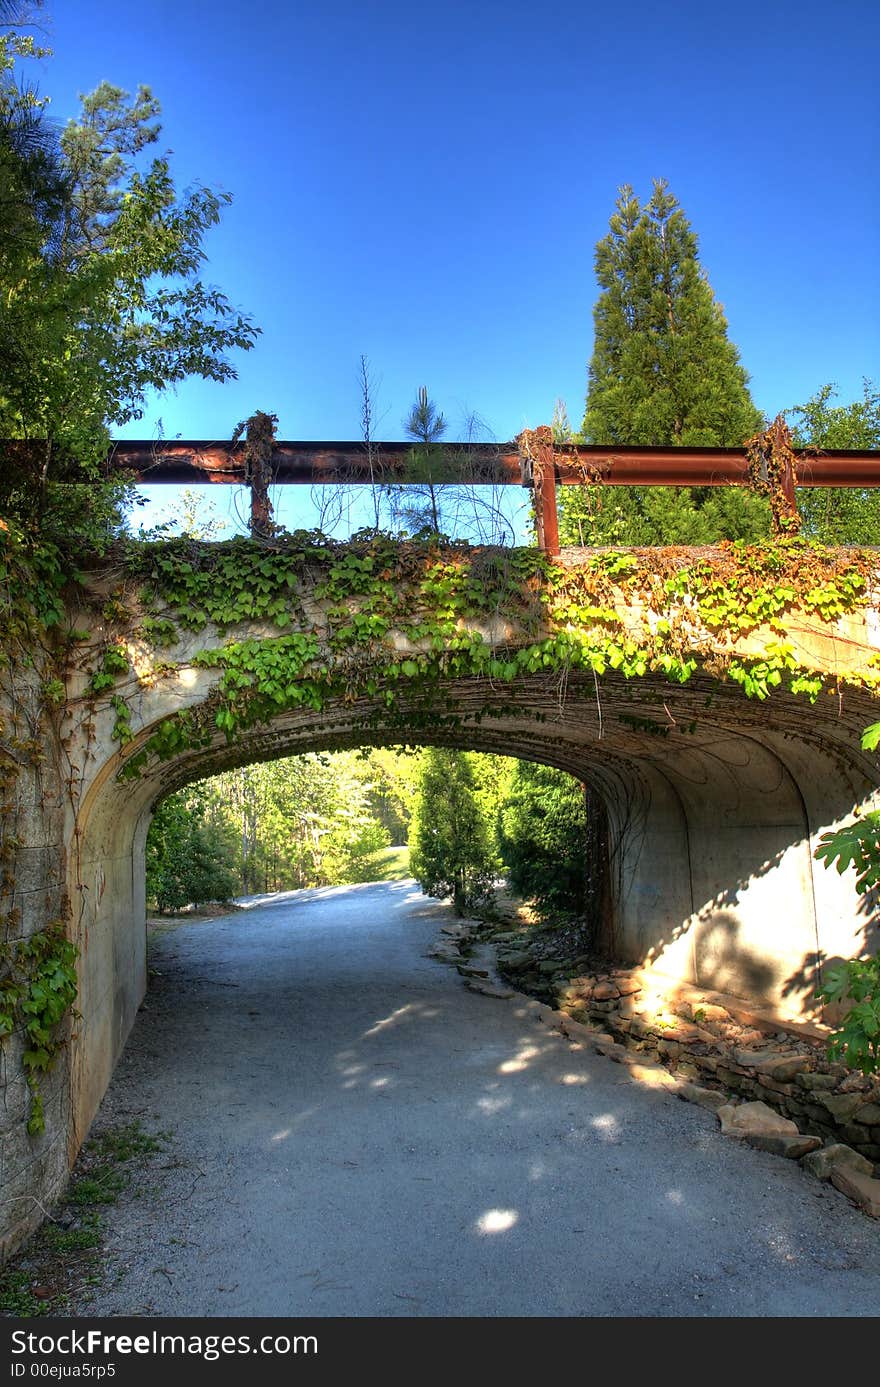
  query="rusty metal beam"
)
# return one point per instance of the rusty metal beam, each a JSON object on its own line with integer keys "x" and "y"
{"x": 309, "y": 464}
{"x": 316, "y": 463}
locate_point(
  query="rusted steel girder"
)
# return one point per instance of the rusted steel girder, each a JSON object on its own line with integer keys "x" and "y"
{"x": 315, "y": 463}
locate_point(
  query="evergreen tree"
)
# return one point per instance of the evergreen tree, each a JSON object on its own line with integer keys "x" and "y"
{"x": 451, "y": 849}
{"x": 663, "y": 371}
{"x": 542, "y": 830}
{"x": 189, "y": 852}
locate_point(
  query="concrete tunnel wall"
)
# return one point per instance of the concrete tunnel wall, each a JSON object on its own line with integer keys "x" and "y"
{"x": 712, "y": 820}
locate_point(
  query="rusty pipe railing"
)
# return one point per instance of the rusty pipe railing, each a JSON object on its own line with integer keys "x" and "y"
{"x": 532, "y": 460}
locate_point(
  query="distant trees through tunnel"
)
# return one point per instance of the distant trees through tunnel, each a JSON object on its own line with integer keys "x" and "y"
{"x": 459, "y": 821}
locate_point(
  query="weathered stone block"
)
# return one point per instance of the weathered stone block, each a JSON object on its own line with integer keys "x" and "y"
{"x": 812, "y": 1081}
{"x": 688, "y": 1071}
{"x": 708, "y": 1063}
{"x": 772, "y": 1064}
{"x": 864, "y": 1190}
{"x": 852, "y": 1133}
{"x": 605, "y": 992}
{"x": 775, "y": 1086}
{"x": 628, "y": 986}
{"x": 516, "y": 961}
{"x": 793, "y": 1147}
{"x": 822, "y": 1163}
{"x": 705, "y": 1097}
{"x": 841, "y": 1106}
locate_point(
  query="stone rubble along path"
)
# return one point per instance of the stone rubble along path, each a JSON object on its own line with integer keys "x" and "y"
{"x": 355, "y": 1132}
{"x": 761, "y": 1126}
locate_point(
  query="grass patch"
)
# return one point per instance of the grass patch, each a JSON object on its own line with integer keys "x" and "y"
{"x": 65, "y": 1253}
{"x": 387, "y": 864}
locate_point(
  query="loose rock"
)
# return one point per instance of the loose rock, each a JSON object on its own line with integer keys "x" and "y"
{"x": 705, "y": 1097}
{"x": 822, "y": 1163}
{"x": 861, "y": 1188}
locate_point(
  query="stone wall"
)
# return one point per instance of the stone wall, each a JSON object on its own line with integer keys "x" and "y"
{"x": 33, "y": 841}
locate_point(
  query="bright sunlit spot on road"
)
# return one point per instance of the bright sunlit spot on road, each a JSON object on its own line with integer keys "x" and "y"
{"x": 520, "y": 1061}
{"x": 497, "y": 1220}
{"x": 573, "y": 1079}
{"x": 388, "y": 1020}
{"x": 606, "y": 1123}
{"x": 281, "y": 1136}
{"x": 675, "y": 1196}
{"x": 492, "y": 1105}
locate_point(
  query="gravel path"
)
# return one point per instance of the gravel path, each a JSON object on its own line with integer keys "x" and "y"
{"x": 352, "y": 1132}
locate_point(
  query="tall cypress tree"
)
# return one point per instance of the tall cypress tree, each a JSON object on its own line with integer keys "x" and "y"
{"x": 663, "y": 371}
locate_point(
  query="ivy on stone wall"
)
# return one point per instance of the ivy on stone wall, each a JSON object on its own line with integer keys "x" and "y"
{"x": 390, "y": 620}
{"x": 38, "y": 973}
{"x": 37, "y": 989}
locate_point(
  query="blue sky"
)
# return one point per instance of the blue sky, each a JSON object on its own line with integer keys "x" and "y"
{"x": 426, "y": 186}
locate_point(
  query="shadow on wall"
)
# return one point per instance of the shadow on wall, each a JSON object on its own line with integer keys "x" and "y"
{"x": 724, "y": 964}
{"x": 802, "y": 984}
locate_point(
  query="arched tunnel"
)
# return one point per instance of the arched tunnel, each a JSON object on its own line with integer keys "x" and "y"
{"x": 712, "y": 807}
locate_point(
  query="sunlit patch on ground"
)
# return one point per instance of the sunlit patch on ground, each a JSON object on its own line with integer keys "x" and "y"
{"x": 496, "y": 1220}
{"x": 519, "y": 1061}
{"x": 606, "y": 1125}
{"x": 490, "y": 1106}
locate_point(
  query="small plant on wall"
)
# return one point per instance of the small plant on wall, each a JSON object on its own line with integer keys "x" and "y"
{"x": 37, "y": 989}
{"x": 856, "y": 1043}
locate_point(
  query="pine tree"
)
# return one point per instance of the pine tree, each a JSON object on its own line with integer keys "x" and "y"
{"x": 451, "y": 849}
{"x": 663, "y": 371}
{"x": 543, "y": 838}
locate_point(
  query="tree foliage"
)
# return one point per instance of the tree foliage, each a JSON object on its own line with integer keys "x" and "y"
{"x": 452, "y": 852}
{"x": 844, "y": 515}
{"x": 189, "y": 852}
{"x": 101, "y": 300}
{"x": 663, "y": 371}
{"x": 542, "y": 826}
{"x": 311, "y": 820}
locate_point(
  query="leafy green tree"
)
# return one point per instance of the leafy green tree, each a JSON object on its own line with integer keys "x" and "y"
{"x": 313, "y": 820}
{"x": 663, "y": 371}
{"x": 189, "y": 854}
{"x": 101, "y": 301}
{"x": 451, "y": 842}
{"x": 543, "y": 838}
{"x": 839, "y": 515}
